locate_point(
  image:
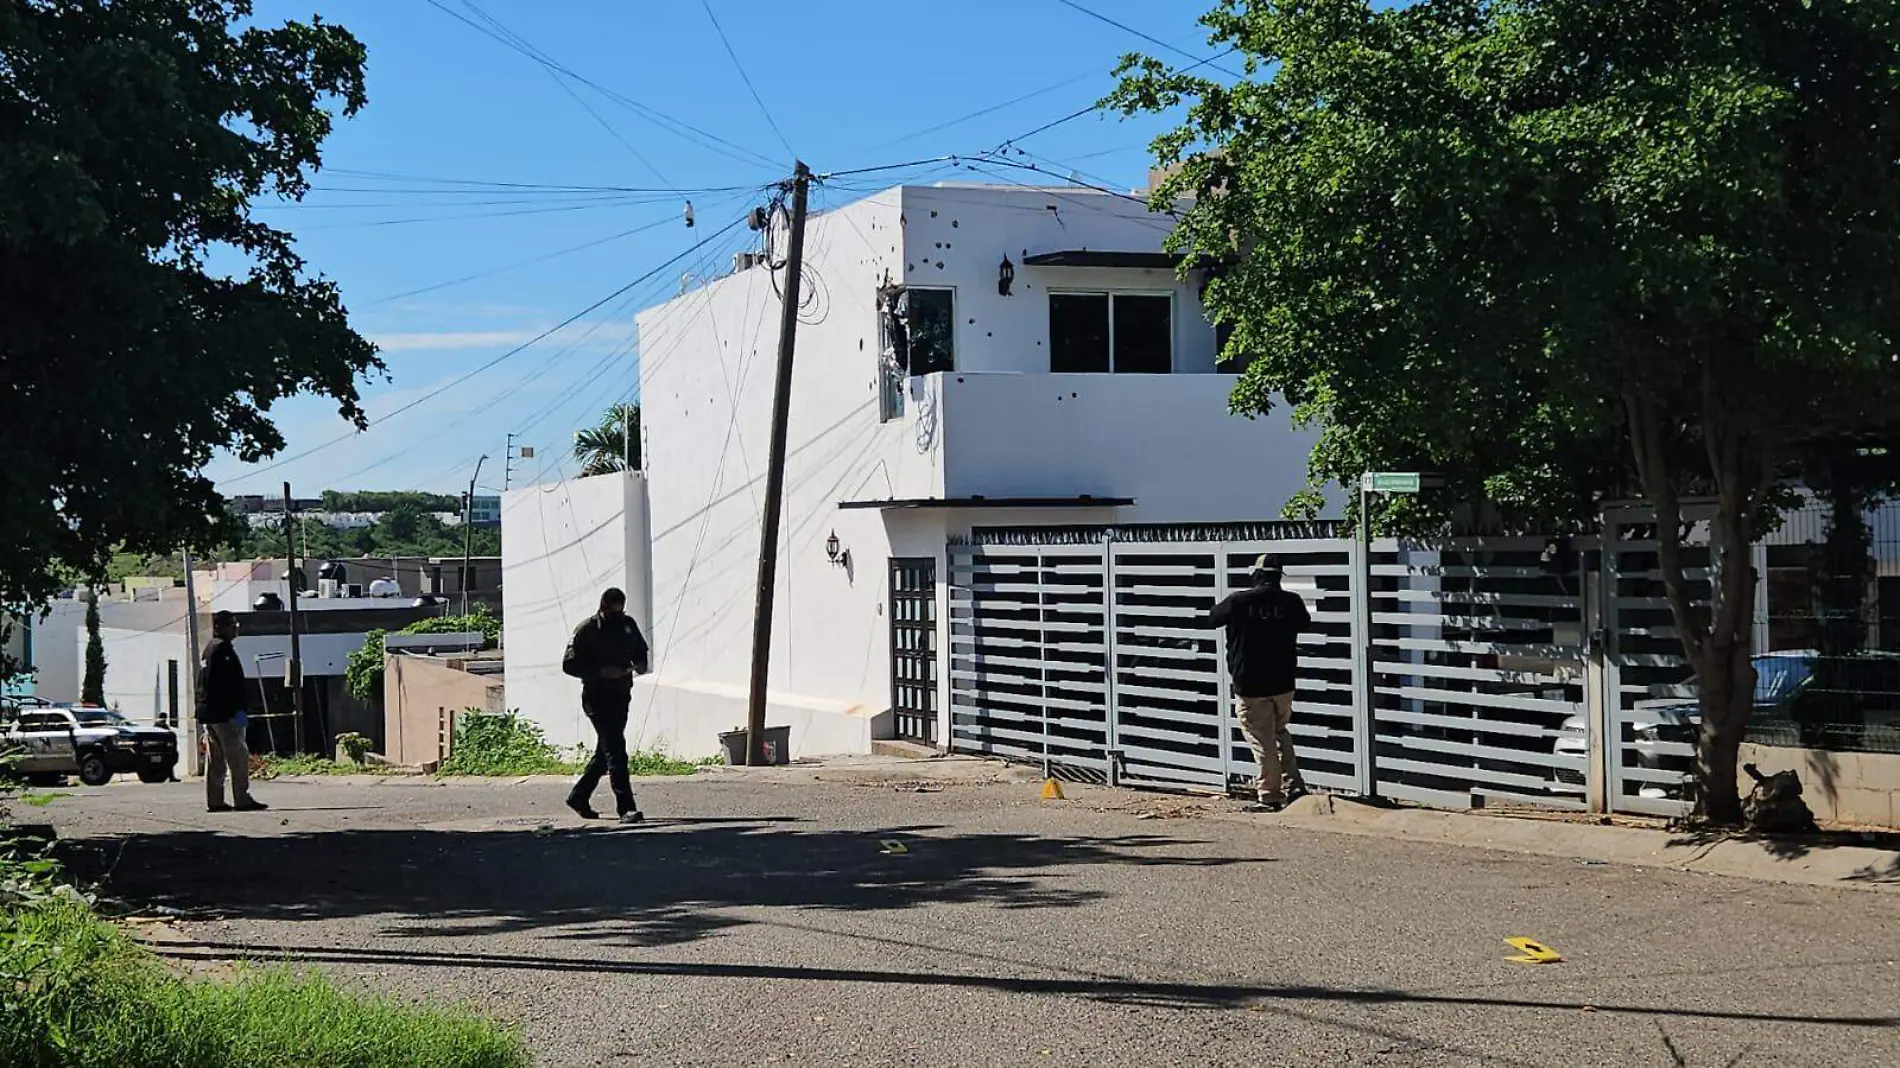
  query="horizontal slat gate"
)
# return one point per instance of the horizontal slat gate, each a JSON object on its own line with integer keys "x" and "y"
{"x": 1478, "y": 674}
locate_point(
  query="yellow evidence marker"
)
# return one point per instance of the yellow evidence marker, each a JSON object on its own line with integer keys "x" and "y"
{"x": 1532, "y": 952}
{"x": 892, "y": 847}
{"x": 1051, "y": 790}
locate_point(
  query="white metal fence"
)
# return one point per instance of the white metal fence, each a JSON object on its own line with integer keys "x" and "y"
{"x": 1458, "y": 673}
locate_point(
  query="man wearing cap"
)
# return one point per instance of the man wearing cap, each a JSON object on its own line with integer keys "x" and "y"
{"x": 1263, "y": 624}
{"x": 220, "y": 704}
{"x": 607, "y": 651}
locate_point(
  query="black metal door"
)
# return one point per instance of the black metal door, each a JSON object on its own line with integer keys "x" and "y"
{"x": 914, "y": 648}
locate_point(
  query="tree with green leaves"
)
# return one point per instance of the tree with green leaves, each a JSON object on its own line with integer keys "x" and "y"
{"x": 92, "y": 688}
{"x": 611, "y": 445}
{"x": 1554, "y": 248}
{"x": 134, "y": 138}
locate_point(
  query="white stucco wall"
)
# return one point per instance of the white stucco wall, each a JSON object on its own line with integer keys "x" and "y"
{"x": 561, "y": 545}
{"x": 136, "y": 676}
{"x": 955, "y": 236}
{"x": 56, "y": 659}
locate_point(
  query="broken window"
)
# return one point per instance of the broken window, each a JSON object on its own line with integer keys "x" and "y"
{"x": 1126, "y": 333}
{"x": 917, "y": 337}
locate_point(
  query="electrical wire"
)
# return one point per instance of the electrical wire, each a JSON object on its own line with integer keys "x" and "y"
{"x": 677, "y": 127}
{"x": 491, "y": 272}
{"x": 453, "y": 383}
{"x": 747, "y": 78}
{"x": 1150, "y": 38}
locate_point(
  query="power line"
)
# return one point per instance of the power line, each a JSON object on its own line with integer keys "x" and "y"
{"x": 453, "y": 383}
{"x": 642, "y": 228}
{"x": 478, "y": 215}
{"x": 390, "y": 176}
{"x": 1150, "y": 38}
{"x": 747, "y": 78}
{"x": 569, "y": 90}
{"x": 677, "y": 127}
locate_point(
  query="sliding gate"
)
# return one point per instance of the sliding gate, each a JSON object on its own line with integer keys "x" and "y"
{"x": 1450, "y": 675}
{"x": 1089, "y": 652}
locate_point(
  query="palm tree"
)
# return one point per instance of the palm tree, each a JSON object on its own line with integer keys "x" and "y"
{"x": 613, "y": 445}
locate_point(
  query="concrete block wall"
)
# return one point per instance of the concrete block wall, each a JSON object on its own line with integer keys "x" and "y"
{"x": 1860, "y": 788}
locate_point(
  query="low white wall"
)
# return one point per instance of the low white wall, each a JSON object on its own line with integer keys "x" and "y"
{"x": 1168, "y": 441}
{"x": 561, "y": 545}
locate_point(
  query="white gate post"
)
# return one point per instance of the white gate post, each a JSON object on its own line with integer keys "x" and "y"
{"x": 1113, "y": 703}
{"x": 1596, "y": 683}
{"x": 1362, "y": 726}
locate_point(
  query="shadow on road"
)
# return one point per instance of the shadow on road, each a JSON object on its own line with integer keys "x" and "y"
{"x": 1153, "y": 994}
{"x": 1797, "y": 846}
{"x": 672, "y": 882}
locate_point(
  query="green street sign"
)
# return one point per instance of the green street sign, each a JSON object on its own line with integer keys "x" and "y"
{"x": 1392, "y": 482}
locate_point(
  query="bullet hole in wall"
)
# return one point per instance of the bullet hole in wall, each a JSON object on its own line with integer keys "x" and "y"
{"x": 953, "y": 224}
{"x": 940, "y": 265}
{"x": 933, "y": 214}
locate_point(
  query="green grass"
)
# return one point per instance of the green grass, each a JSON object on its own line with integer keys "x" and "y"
{"x": 76, "y": 993}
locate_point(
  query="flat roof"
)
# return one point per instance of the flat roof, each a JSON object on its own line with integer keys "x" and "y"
{"x": 1084, "y": 501}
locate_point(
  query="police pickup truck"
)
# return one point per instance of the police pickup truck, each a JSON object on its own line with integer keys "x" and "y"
{"x": 48, "y": 742}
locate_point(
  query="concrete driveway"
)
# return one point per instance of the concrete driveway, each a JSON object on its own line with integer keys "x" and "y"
{"x": 764, "y": 919}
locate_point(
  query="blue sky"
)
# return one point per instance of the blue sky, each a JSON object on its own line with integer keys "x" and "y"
{"x": 848, "y": 81}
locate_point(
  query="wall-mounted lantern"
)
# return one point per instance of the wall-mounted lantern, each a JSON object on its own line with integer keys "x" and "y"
{"x": 839, "y": 556}
{"x": 1005, "y": 276}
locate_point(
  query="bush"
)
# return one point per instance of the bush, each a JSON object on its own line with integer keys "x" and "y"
{"x": 503, "y": 745}
{"x": 363, "y": 671}
{"x": 506, "y": 745}
{"x": 75, "y": 993}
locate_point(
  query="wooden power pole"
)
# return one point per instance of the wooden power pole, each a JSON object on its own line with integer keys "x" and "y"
{"x": 293, "y": 671}
{"x": 775, "y": 474}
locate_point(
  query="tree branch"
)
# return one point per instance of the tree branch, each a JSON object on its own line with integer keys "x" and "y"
{"x": 1652, "y": 468}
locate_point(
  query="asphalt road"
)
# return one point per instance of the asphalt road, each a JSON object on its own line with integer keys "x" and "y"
{"x": 762, "y": 921}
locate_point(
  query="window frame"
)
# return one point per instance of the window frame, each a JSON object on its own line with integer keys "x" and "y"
{"x": 893, "y": 379}
{"x": 1174, "y": 314}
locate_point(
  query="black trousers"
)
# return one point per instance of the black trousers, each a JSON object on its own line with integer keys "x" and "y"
{"x": 608, "y": 713}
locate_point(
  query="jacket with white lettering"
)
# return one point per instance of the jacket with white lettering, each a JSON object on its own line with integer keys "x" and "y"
{"x": 1263, "y": 633}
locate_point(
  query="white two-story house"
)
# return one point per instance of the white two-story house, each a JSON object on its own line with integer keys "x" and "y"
{"x": 968, "y": 356}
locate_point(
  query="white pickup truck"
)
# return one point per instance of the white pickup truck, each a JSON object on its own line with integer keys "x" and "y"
{"x": 52, "y": 741}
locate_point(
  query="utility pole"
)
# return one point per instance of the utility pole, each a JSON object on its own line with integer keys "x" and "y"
{"x": 508, "y": 462}
{"x": 293, "y": 671}
{"x": 189, "y": 740}
{"x": 468, "y": 531}
{"x": 775, "y": 475}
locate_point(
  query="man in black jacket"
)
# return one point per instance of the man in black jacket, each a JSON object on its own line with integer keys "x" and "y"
{"x": 607, "y": 651}
{"x": 1263, "y": 626}
{"x": 220, "y": 704}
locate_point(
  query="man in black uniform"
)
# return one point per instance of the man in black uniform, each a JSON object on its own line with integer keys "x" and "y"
{"x": 1263, "y": 632}
{"x": 220, "y": 703}
{"x": 608, "y": 650}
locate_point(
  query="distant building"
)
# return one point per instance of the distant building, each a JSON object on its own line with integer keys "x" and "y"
{"x": 484, "y": 511}
{"x": 148, "y": 654}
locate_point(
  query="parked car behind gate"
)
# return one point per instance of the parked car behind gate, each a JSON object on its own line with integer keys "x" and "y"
{"x": 1801, "y": 699}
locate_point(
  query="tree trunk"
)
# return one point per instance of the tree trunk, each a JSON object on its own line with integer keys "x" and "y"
{"x": 1716, "y": 637}
{"x": 1727, "y": 683}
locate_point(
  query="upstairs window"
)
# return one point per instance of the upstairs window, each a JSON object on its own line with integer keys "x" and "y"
{"x": 917, "y": 336}
{"x": 1123, "y": 333}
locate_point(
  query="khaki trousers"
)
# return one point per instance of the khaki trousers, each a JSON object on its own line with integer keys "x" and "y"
{"x": 1263, "y": 721}
{"x": 225, "y": 748}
